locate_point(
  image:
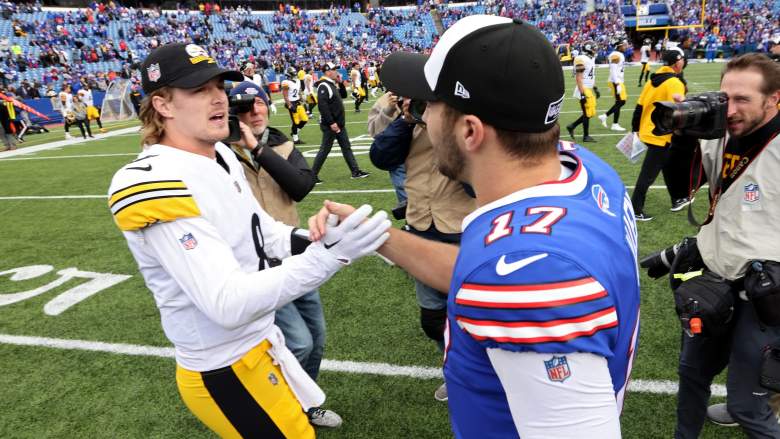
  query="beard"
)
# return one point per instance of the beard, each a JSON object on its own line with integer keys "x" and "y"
{"x": 749, "y": 124}
{"x": 449, "y": 159}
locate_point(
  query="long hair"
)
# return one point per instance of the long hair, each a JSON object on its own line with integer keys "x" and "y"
{"x": 152, "y": 122}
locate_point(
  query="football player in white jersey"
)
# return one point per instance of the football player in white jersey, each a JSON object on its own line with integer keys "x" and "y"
{"x": 373, "y": 79}
{"x": 309, "y": 94}
{"x": 205, "y": 248}
{"x": 93, "y": 113}
{"x": 644, "y": 53}
{"x": 617, "y": 63}
{"x": 358, "y": 92}
{"x": 291, "y": 91}
{"x": 66, "y": 108}
{"x": 585, "y": 91}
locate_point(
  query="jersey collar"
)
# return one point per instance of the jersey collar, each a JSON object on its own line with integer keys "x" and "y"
{"x": 575, "y": 184}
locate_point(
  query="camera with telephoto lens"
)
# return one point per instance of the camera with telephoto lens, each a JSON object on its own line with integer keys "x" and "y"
{"x": 240, "y": 103}
{"x": 701, "y": 115}
{"x": 416, "y": 109}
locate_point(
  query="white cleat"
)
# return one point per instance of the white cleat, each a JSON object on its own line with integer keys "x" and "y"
{"x": 603, "y": 119}
{"x": 68, "y": 136}
{"x": 616, "y": 127}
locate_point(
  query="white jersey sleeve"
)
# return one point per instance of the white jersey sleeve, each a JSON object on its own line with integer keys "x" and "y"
{"x": 212, "y": 278}
{"x": 581, "y": 405}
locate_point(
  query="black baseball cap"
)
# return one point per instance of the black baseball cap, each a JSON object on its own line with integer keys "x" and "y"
{"x": 502, "y": 70}
{"x": 181, "y": 65}
{"x": 671, "y": 56}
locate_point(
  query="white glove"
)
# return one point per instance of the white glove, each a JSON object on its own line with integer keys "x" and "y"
{"x": 356, "y": 236}
{"x": 617, "y": 90}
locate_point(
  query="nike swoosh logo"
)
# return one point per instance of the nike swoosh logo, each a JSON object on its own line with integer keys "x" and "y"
{"x": 328, "y": 246}
{"x": 503, "y": 269}
{"x": 142, "y": 168}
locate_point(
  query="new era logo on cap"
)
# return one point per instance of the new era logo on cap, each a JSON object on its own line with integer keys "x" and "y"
{"x": 461, "y": 91}
{"x": 501, "y": 70}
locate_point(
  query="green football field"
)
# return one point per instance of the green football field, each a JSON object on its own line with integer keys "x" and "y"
{"x": 83, "y": 354}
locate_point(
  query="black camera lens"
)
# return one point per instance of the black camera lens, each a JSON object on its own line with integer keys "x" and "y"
{"x": 702, "y": 116}
{"x": 241, "y": 103}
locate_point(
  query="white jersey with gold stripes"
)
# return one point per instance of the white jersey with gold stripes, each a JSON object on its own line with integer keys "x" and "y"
{"x": 197, "y": 232}
{"x": 585, "y": 64}
{"x": 293, "y": 88}
{"x": 617, "y": 63}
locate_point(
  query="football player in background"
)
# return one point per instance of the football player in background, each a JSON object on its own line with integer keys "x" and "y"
{"x": 93, "y": 113}
{"x": 543, "y": 303}
{"x": 373, "y": 78}
{"x": 358, "y": 92}
{"x": 309, "y": 94}
{"x": 585, "y": 91}
{"x": 66, "y": 108}
{"x": 204, "y": 247}
{"x": 291, "y": 91}
{"x": 644, "y": 59}
{"x": 617, "y": 63}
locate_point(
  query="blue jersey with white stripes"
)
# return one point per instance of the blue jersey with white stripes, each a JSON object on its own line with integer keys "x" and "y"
{"x": 549, "y": 269}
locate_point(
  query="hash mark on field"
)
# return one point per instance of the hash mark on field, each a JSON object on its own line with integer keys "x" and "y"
{"x": 663, "y": 387}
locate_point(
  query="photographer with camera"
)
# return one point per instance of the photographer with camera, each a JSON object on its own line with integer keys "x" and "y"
{"x": 436, "y": 204}
{"x": 386, "y": 109}
{"x": 279, "y": 177}
{"x": 663, "y": 85}
{"x": 730, "y": 309}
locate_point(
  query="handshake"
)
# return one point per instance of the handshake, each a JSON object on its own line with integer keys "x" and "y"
{"x": 348, "y": 233}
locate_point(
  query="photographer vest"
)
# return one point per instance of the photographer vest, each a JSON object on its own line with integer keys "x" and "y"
{"x": 744, "y": 226}
{"x": 272, "y": 198}
{"x": 433, "y": 198}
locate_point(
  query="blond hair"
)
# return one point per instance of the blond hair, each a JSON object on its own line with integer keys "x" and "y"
{"x": 152, "y": 122}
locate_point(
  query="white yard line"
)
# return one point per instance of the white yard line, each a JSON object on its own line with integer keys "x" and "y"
{"x": 421, "y": 372}
{"x": 61, "y": 143}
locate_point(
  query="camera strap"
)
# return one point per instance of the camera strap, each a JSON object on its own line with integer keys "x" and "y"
{"x": 721, "y": 183}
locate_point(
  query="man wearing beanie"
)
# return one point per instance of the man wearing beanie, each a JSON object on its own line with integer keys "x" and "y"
{"x": 663, "y": 85}
{"x": 543, "y": 295}
{"x": 206, "y": 248}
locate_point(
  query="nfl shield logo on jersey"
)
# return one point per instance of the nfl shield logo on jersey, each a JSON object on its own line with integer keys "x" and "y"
{"x": 188, "y": 241}
{"x": 557, "y": 368}
{"x": 751, "y": 193}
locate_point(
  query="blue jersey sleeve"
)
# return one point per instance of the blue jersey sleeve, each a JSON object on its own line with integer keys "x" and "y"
{"x": 536, "y": 301}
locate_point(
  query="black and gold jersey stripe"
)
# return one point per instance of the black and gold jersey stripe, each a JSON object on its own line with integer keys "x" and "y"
{"x": 142, "y": 204}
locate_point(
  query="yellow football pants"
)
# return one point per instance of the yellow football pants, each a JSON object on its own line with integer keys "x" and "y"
{"x": 622, "y": 96}
{"x": 248, "y": 399}
{"x": 298, "y": 113}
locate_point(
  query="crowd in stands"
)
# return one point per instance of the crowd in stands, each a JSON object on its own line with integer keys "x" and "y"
{"x": 741, "y": 25}
{"x": 51, "y": 47}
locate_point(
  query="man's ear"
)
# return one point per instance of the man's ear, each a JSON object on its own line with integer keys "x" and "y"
{"x": 162, "y": 106}
{"x": 473, "y": 132}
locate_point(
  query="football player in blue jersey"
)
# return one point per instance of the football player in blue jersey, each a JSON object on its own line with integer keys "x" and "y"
{"x": 543, "y": 295}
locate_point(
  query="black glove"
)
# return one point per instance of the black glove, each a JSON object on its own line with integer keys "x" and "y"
{"x": 596, "y": 92}
{"x": 583, "y": 99}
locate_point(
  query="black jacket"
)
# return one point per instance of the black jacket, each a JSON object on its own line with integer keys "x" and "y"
{"x": 293, "y": 174}
{"x": 329, "y": 102}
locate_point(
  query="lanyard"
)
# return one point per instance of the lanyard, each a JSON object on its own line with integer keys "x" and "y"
{"x": 723, "y": 184}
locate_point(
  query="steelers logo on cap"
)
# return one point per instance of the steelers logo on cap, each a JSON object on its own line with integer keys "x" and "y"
{"x": 198, "y": 54}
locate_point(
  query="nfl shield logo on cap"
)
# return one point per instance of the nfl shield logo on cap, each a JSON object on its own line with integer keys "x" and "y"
{"x": 153, "y": 72}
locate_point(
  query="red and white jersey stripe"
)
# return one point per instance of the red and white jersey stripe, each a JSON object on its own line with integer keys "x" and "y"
{"x": 545, "y": 295}
{"x": 540, "y": 332}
